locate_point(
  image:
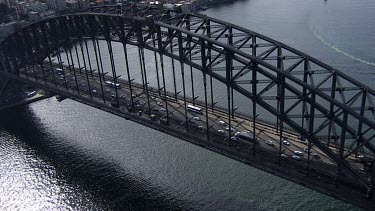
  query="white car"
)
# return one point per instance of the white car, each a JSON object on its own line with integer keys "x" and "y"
{"x": 286, "y": 143}
{"x": 108, "y": 83}
{"x": 94, "y": 91}
{"x": 296, "y": 157}
{"x": 316, "y": 156}
{"x": 221, "y": 131}
{"x": 222, "y": 123}
{"x": 284, "y": 156}
{"x": 196, "y": 118}
{"x": 229, "y": 129}
{"x": 159, "y": 104}
{"x": 270, "y": 142}
{"x": 299, "y": 153}
{"x": 234, "y": 138}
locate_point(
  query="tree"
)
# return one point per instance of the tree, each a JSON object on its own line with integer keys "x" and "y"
{"x": 4, "y": 13}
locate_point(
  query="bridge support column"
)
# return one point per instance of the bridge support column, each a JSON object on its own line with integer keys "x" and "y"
{"x": 342, "y": 145}
{"x": 88, "y": 58}
{"x": 59, "y": 59}
{"x": 156, "y": 65}
{"x": 145, "y": 78}
{"x": 205, "y": 105}
{"x": 103, "y": 73}
{"x": 174, "y": 75}
{"x": 254, "y": 83}
{"x": 78, "y": 60}
{"x": 128, "y": 74}
{"x": 181, "y": 56}
{"x": 331, "y": 106}
{"x": 281, "y": 99}
{"x": 204, "y": 72}
{"x": 100, "y": 67}
{"x": 184, "y": 92}
{"x": 311, "y": 130}
{"x": 161, "y": 56}
{"x": 164, "y": 87}
{"x": 71, "y": 66}
{"x": 229, "y": 75}
{"x": 52, "y": 70}
{"x": 85, "y": 66}
{"x": 113, "y": 68}
{"x": 229, "y": 115}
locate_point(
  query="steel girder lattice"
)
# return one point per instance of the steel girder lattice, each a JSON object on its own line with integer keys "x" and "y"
{"x": 328, "y": 108}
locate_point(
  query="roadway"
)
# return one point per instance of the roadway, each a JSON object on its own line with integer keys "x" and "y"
{"x": 148, "y": 104}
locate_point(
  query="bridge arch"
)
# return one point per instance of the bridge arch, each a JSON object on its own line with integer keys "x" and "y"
{"x": 229, "y": 54}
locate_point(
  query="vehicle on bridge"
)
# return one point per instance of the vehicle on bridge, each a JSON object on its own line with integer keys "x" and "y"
{"x": 247, "y": 136}
{"x": 194, "y": 109}
{"x": 305, "y": 97}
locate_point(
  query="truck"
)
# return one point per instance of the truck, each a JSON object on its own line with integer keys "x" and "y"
{"x": 246, "y": 136}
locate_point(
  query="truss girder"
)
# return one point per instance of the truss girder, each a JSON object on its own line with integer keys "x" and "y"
{"x": 230, "y": 54}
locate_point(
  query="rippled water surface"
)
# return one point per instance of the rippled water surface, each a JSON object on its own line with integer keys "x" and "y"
{"x": 59, "y": 156}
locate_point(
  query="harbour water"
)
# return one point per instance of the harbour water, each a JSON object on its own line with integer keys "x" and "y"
{"x": 60, "y": 156}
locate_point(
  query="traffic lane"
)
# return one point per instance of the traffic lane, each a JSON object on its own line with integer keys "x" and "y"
{"x": 180, "y": 115}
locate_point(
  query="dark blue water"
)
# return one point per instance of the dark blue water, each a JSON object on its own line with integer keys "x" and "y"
{"x": 68, "y": 156}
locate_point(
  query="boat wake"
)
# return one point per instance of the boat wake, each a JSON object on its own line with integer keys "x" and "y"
{"x": 339, "y": 50}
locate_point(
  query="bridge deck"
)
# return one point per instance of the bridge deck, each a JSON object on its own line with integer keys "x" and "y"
{"x": 333, "y": 113}
{"x": 319, "y": 175}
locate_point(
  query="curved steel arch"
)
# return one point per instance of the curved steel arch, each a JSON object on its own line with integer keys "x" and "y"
{"x": 228, "y": 53}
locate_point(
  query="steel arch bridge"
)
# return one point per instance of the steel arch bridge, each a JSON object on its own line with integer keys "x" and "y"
{"x": 310, "y": 99}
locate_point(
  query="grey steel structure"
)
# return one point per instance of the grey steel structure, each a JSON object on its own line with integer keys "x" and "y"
{"x": 329, "y": 109}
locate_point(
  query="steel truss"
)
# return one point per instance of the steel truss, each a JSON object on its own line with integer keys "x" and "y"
{"x": 331, "y": 110}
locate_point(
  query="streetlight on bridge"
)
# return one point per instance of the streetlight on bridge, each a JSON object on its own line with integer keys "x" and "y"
{"x": 213, "y": 104}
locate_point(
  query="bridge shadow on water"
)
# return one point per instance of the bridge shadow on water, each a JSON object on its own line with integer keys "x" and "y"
{"x": 110, "y": 185}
